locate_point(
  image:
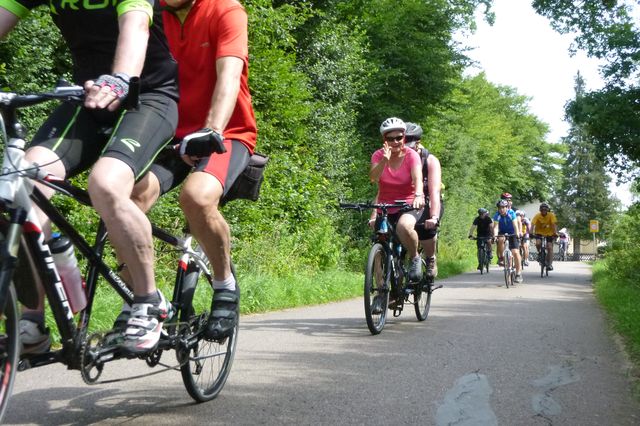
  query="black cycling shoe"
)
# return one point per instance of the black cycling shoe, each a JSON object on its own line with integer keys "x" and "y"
{"x": 225, "y": 310}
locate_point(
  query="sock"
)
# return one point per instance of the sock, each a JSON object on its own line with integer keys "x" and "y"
{"x": 35, "y": 317}
{"x": 152, "y": 298}
{"x": 228, "y": 283}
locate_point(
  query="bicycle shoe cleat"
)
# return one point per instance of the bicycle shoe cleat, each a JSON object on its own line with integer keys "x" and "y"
{"x": 115, "y": 336}
{"x": 34, "y": 338}
{"x": 225, "y": 310}
{"x": 144, "y": 327}
{"x": 415, "y": 270}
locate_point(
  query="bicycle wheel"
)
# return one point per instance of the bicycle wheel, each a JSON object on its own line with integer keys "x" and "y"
{"x": 543, "y": 262}
{"x": 206, "y": 363}
{"x": 487, "y": 260}
{"x": 507, "y": 267}
{"x": 422, "y": 294}
{"x": 376, "y": 290}
{"x": 481, "y": 255}
{"x": 9, "y": 348}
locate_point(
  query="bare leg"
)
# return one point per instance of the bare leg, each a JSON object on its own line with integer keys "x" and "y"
{"x": 407, "y": 234}
{"x": 199, "y": 200}
{"x": 549, "y": 253}
{"x": 517, "y": 260}
{"x": 110, "y": 187}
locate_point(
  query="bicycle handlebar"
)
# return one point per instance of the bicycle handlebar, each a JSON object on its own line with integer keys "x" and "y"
{"x": 75, "y": 94}
{"x": 403, "y": 205}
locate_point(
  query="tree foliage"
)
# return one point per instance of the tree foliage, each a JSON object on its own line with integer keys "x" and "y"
{"x": 323, "y": 75}
{"x": 611, "y": 116}
{"x": 583, "y": 195}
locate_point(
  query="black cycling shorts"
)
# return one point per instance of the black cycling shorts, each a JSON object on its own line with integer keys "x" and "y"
{"x": 171, "y": 170}
{"x": 421, "y": 216}
{"x": 427, "y": 234}
{"x": 514, "y": 242}
{"x": 79, "y": 136}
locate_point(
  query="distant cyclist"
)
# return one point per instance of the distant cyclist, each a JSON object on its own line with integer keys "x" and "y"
{"x": 508, "y": 224}
{"x": 484, "y": 224}
{"x": 545, "y": 224}
{"x": 526, "y": 232}
{"x": 432, "y": 184}
{"x": 563, "y": 242}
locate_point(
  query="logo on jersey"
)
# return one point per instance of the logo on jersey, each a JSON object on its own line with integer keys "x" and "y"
{"x": 131, "y": 144}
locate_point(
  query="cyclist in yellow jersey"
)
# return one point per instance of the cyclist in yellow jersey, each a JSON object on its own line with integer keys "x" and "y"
{"x": 545, "y": 224}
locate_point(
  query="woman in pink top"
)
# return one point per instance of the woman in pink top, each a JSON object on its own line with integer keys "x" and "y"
{"x": 398, "y": 172}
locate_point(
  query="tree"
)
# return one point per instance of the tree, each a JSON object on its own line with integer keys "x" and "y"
{"x": 584, "y": 193}
{"x": 611, "y": 116}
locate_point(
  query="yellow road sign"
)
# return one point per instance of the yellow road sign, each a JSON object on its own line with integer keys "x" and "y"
{"x": 594, "y": 226}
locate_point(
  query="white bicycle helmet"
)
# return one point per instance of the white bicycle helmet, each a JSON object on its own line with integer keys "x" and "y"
{"x": 392, "y": 123}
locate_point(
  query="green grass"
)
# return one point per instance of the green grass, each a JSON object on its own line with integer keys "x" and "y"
{"x": 621, "y": 300}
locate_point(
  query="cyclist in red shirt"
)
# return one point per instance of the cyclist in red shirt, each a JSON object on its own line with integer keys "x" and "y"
{"x": 216, "y": 131}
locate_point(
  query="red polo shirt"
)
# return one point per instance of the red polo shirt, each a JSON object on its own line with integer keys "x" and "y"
{"x": 212, "y": 29}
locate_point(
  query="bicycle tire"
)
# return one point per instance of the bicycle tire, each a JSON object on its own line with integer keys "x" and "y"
{"x": 9, "y": 348}
{"x": 422, "y": 294}
{"x": 376, "y": 285}
{"x": 481, "y": 258}
{"x": 543, "y": 261}
{"x": 209, "y": 361}
{"x": 507, "y": 266}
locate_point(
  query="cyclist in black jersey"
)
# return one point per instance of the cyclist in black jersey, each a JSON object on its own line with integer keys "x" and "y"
{"x": 110, "y": 42}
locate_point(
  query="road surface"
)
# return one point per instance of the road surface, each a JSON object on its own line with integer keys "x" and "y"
{"x": 537, "y": 354}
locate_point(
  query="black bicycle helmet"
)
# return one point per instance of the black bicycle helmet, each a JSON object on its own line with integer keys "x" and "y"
{"x": 544, "y": 206}
{"x": 482, "y": 210}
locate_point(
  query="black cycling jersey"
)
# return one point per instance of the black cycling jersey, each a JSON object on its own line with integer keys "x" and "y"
{"x": 91, "y": 30}
{"x": 484, "y": 226}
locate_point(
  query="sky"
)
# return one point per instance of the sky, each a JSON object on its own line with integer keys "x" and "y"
{"x": 523, "y": 51}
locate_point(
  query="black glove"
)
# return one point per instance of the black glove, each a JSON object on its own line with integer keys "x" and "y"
{"x": 202, "y": 143}
{"x": 119, "y": 83}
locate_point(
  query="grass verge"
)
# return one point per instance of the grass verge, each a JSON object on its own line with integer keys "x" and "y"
{"x": 621, "y": 301}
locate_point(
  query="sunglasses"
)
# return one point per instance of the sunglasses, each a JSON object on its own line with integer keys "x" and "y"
{"x": 394, "y": 138}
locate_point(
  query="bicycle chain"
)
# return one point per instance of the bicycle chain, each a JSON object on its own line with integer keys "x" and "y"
{"x": 152, "y": 359}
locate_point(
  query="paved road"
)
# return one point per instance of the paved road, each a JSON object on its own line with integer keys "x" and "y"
{"x": 537, "y": 354}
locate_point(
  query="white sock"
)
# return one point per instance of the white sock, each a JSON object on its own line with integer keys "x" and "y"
{"x": 228, "y": 283}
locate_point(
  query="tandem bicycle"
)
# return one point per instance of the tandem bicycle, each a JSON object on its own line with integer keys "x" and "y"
{"x": 386, "y": 283}
{"x": 25, "y": 258}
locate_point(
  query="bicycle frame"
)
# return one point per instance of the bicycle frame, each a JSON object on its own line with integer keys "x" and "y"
{"x": 483, "y": 248}
{"x": 17, "y": 192}
{"x": 508, "y": 259}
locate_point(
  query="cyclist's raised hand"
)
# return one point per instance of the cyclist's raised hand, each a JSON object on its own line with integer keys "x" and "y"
{"x": 107, "y": 91}
{"x": 201, "y": 144}
{"x": 386, "y": 151}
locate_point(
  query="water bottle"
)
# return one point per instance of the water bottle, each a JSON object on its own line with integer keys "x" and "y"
{"x": 67, "y": 266}
{"x": 383, "y": 228}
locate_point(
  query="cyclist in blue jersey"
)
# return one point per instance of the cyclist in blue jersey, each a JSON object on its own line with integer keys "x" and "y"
{"x": 110, "y": 43}
{"x": 507, "y": 223}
